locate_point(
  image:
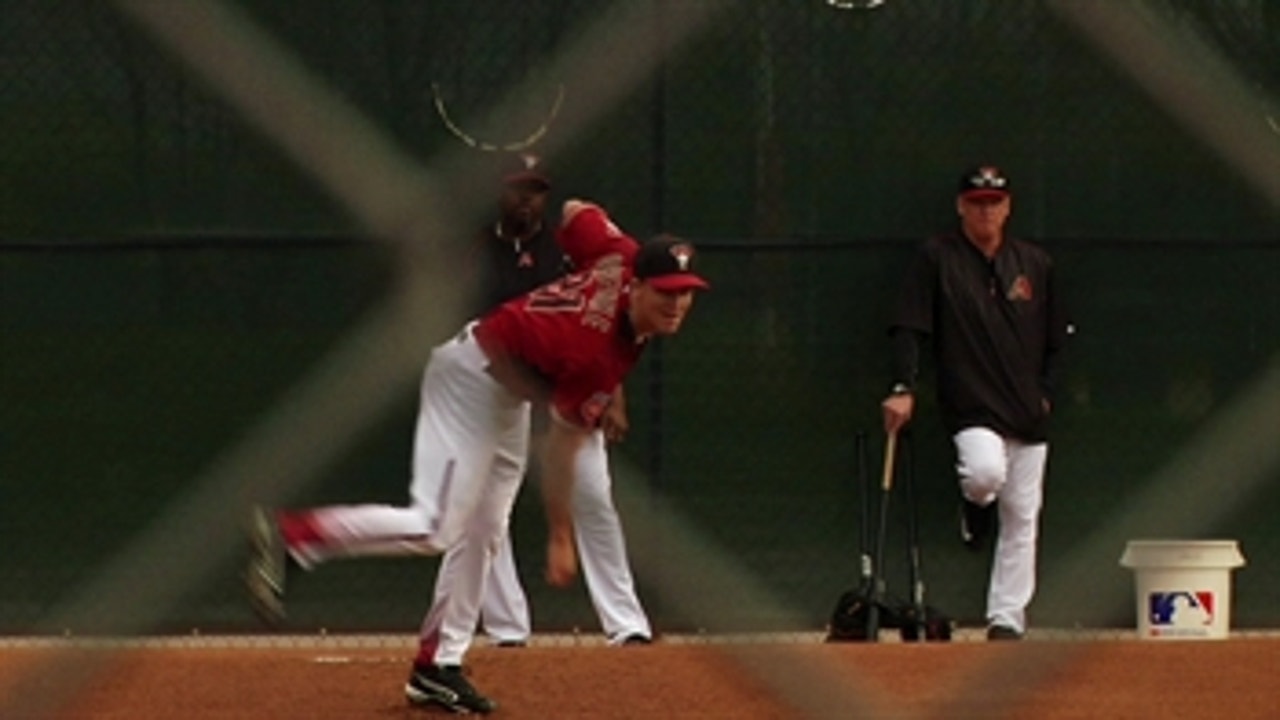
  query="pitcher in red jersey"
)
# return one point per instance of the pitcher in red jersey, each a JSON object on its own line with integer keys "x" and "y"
{"x": 569, "y": 343}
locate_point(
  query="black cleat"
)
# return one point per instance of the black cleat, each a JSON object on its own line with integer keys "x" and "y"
{"x": 975, "y": 523}
{"x": 1002, "y": 632}
{"x": 636, "y": 639}
{"x": 268, "y": 566}
{"x": 445, "y": 686}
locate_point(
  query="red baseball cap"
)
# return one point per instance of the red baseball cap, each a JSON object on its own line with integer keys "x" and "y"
{"x": 666, "y": 263}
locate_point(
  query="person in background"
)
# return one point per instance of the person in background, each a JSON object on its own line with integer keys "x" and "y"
{"x": 521, "y": 254}
{"x": 990, "y": 307}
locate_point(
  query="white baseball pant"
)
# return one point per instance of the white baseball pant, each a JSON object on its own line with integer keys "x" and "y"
{"x": 1010, "y": 473}
{"x": 470, "y": 445}
{"x": 602, "y": 555}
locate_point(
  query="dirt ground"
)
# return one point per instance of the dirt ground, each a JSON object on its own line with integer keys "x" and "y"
{"x": 1113, "y": 679}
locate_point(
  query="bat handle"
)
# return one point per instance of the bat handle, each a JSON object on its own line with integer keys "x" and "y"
{"x": 890, "y": 450}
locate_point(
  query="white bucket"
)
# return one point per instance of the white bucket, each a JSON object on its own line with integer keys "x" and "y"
{"x": 1183, "y": 587}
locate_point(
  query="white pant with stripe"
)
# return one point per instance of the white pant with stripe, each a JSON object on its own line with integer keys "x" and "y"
{"x": 602, "y": 555}
{"x": 470, "y": 447}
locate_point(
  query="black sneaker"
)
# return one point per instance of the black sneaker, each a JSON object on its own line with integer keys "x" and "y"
{"x": 636, "y": 639}
{"x": 975, "y": 523}
{"x": 445, "y": 686}
{"x": 268, "y": 567}
{"x": 1002, "y": 632}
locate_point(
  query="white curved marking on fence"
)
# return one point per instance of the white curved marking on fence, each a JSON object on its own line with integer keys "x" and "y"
{"x": 513, "y": 146}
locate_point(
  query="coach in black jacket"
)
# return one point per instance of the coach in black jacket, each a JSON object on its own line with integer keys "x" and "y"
{"x": 987, "y": 305}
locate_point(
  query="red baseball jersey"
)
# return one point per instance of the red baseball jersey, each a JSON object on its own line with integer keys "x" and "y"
{"x": 574, "y": 334}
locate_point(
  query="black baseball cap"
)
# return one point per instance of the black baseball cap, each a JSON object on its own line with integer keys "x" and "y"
{"x": 984, "y": 182}
{"x": 666, "y": 262}
{"x": 524, "y": 169}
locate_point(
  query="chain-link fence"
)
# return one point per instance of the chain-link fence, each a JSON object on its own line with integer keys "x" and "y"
{"x": 167, "y": 272}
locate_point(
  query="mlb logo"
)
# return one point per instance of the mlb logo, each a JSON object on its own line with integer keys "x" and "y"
{"x": 1180, "y": 611}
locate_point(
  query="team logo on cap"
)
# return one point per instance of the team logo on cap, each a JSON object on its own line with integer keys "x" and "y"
{"x": 987, "y": 177}
{"x": 530, "y": 161}
{"x": 683, "y": 253}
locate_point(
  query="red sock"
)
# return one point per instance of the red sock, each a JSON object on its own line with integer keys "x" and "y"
{"x": 299, "y": 528}
{"x": 427, "y": 647}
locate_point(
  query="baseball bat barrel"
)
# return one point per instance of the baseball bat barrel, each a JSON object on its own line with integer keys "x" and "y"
{"x": 915, "y": 563}
{"x": 878, "y": 581}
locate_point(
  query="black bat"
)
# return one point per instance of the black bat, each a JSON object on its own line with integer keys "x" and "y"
{"x": 917, "y": 618}
{"x": 878, "y": 584}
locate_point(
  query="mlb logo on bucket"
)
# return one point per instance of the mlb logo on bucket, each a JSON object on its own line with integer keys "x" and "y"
{"x": 1181, "y": 612}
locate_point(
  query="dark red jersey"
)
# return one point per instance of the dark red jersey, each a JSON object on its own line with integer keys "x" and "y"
{"x": 573, "y": 335}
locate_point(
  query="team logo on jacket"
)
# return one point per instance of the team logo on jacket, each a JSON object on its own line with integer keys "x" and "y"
{"x": 1020, "y": 289}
